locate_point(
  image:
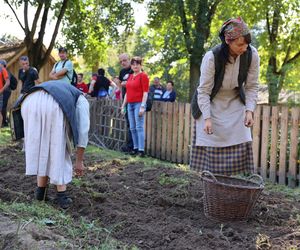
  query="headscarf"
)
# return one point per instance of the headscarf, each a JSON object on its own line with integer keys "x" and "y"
{"x": 234, "y": 28}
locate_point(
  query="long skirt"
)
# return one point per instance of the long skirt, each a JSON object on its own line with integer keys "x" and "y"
{"x": 45, "y": 139}
{"x": 231, "y": 160}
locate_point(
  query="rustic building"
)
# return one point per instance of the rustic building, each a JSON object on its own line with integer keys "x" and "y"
{"x": 11, "y": 53}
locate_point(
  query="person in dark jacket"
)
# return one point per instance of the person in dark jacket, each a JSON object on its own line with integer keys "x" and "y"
{"x": 169, "y": 94}
{"x": 100, "y": 85}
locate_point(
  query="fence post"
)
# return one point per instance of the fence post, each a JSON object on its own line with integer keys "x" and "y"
{"x": 175, "y": 132}
{"x": 274, "y": 142}
{"x": 187, "y": 133}
{"x": 256, "y": 137}
{"x": 170, "y": 131}
{"x": 180, "y": 133}
{"x": 283, "y": 144}
{"x": 294, "y": 147}
{"x": 265, "y": 141}
{"x": 164, "y": 130}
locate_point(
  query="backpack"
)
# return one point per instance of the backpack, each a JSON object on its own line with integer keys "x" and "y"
{"x": 12, "y": 79}
{"x": 149, "y": 101}
{"x": 245, "y": 61}
{"x": 74, "y": 78}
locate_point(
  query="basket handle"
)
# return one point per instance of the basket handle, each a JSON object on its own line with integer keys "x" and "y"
{"x": 205, "y": 172}
{"x": 261, "y": 181}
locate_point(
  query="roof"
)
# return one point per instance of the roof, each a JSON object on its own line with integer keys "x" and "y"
{"x": 7, "y": 52}
{"x": 12, "y": 52}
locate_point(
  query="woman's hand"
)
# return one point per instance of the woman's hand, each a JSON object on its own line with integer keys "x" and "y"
{"x": 249, "y": 120}
{"x": 208, "y": 126}
{"x": 142, "y": 111}
{"x": 123, "y": 110}
{"x": 79, "y": 168}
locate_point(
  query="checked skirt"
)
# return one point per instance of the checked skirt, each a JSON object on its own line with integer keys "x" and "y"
{"x": 231, "y": 160}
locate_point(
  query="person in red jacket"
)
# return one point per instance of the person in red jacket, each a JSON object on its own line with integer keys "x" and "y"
{"x": 4, "y": 84}
{"x": 81, "y": 85}
{"x": 137, "y": 88}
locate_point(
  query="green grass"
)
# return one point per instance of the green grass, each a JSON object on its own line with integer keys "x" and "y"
{"x": 77, "y": 232}
{"x": 293, "y": 193}
{"x": 110, "y": 155}
{"x": 166, "y": 180}
{"x": 5, "y": 136}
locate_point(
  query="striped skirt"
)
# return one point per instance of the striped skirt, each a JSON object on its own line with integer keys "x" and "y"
{"x": 231, "y": 160}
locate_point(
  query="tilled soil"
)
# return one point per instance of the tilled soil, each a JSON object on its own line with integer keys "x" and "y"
{"x": 157, "y": 207}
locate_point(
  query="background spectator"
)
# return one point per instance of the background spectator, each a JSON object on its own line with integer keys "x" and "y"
{"x": 4, "y": 84}
{"x": 99, "y": 86}
{"x": 62, "y": 70}
{"x": 27, "y": 75}
{"x": 169, "y": 95}
{"x": 82, "y": 86}
{"x": 116, "y": 92}
{"x": 123, "y": 77}
{"x": 137, "y": 88}
{"x": 157, "y": 89}
{"x": 6, "y": 95}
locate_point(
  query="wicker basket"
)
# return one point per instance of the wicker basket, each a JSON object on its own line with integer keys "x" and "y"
{"x": 229, "y": 198}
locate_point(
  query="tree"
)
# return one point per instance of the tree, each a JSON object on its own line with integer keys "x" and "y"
{"x": 161, "y": 59}
{"x": 194, "y": 18}
{"x": 92, "y": 26}
{"x": 35, "y": 46}
{"x": 282, "y": 23}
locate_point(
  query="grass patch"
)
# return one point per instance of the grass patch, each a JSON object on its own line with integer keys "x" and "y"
{"x": 293, "y": 193}
{"x": 111, "y": 155}
{"x": 166, "y": 180}
{"x": 5, "y": 136}
{"x": 80, "y": 233}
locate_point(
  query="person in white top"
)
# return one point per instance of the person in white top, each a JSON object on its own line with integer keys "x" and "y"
{"x": 222, "y": 141}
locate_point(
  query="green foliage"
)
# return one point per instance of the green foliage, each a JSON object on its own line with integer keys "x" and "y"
{"x": 182, "y": 28}
{"x": 161, "y": 59}
{"x": 91, "y": 26}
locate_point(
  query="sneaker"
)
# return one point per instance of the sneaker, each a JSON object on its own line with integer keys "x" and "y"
{"x": 141, "y": 154}
{"x": 63, "y": 200}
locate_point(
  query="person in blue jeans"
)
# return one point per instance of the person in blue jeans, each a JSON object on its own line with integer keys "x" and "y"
{"x": 137, "y": 88}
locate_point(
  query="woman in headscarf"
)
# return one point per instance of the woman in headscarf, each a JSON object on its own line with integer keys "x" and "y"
{"x": 227, "y": 99}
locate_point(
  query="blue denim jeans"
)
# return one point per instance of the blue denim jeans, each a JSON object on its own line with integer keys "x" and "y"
{"x": 136, "y": 123}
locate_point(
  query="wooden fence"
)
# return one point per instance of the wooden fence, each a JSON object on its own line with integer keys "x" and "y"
{"x": 168, "y": 130}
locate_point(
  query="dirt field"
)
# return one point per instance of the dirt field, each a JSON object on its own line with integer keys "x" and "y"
{"x": 146, "y": 206}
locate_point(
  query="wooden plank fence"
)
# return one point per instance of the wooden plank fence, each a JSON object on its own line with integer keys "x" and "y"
{"x": 169, "y": 126}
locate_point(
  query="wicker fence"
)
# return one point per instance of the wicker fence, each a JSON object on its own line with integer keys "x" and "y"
{"x": 168, "y": 136}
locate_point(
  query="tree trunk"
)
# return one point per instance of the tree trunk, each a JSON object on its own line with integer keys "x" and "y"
{"x": 194, "y": 77}
{"x": 273, "y": 82}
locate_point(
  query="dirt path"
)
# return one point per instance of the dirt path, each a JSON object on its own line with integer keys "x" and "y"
{"x": 157, "y": 207}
